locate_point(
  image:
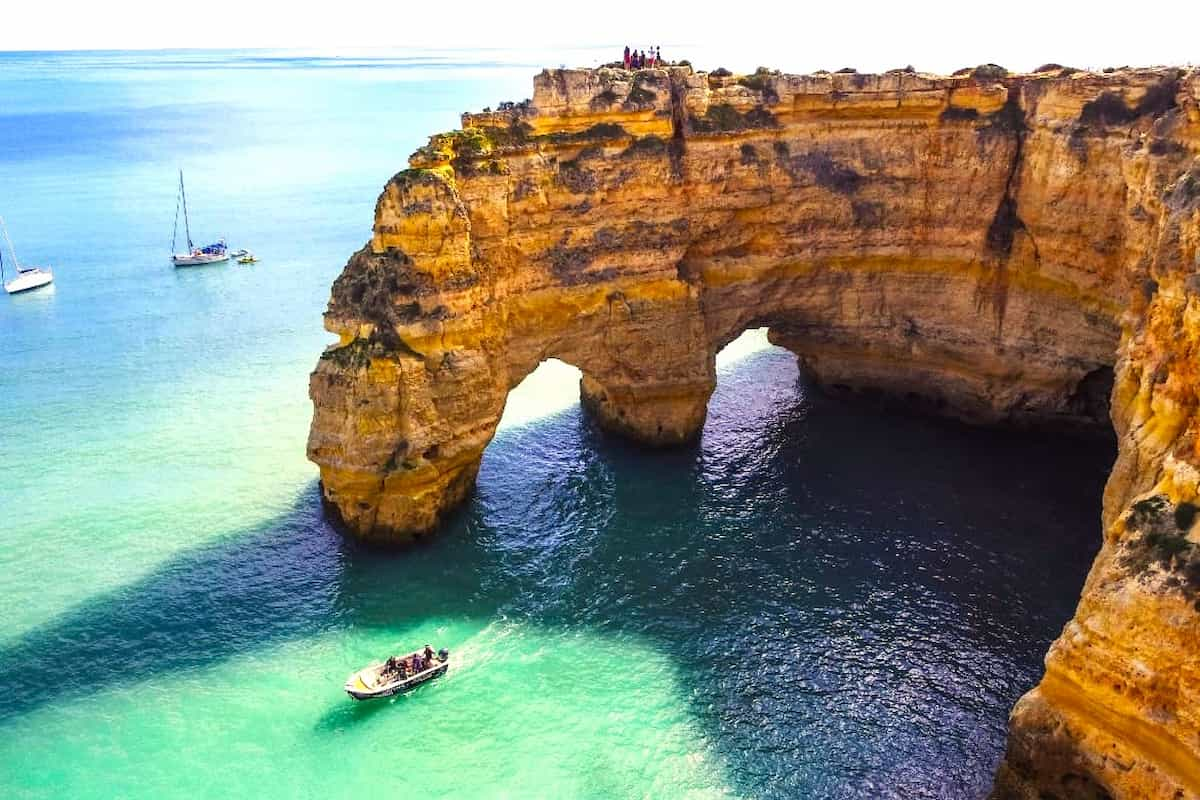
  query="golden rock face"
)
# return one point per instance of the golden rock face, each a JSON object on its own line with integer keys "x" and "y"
{"x": 1001, "y": 248}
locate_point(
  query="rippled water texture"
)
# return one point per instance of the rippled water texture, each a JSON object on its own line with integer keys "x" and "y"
{"x": 814, "y": 600}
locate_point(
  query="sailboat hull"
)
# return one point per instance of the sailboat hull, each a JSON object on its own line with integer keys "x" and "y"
{"x": 199, "y": 259}
{"x": 28, "y": 280}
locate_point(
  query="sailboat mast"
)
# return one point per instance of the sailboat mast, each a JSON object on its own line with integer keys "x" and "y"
{"x": 187, "y": 229}
{"x": 175, "y": 225}
{"x": 16, "y": 263}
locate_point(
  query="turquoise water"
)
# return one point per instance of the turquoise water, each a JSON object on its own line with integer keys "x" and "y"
{"x": 814, "y": 600}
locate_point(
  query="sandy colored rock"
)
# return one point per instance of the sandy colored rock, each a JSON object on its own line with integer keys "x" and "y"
{"x": 989, "y": 246}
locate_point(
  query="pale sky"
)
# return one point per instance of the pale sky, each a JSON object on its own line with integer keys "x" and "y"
{"x": 797, "y": 36}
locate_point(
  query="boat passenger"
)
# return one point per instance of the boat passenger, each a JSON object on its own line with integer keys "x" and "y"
{"x": 428, "y": 654}
{"x": 417, "y": 665}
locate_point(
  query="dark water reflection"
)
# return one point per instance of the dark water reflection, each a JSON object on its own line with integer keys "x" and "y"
{"x": 858, "y": 597}
{"x": 855, "y": 598}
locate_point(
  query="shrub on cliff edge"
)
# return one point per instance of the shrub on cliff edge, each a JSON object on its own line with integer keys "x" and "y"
{"x": 989, "y": 72}
{"x": 1053, "y": 67}
{"x": 761, "y": 81}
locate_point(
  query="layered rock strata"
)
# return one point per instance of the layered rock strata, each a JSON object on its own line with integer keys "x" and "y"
{"x": 988, "y": 245}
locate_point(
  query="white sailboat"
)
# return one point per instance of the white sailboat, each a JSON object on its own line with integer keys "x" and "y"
{"x": 195, "y": 256}
{"x": 27, "y": 277}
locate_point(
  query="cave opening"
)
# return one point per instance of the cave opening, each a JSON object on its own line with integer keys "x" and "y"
{"x": 552, "y": 387}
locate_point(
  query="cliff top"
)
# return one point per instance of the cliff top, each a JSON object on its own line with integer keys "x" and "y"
{"x": 583, "y": 106}
{"x": 598, "y": 86}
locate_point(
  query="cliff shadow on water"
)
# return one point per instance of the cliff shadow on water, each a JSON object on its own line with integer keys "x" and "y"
{"x": 853, "y": 598}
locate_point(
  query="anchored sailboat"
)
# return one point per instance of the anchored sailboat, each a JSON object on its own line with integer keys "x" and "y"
{"x": 27, "y": 277}
{"x": 195, "y": 256}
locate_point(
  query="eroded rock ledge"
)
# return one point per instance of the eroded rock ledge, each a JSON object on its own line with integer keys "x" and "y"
{"x": 991, "y": 245}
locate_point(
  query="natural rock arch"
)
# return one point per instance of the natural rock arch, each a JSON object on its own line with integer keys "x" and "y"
{"x": 991, "y": 244}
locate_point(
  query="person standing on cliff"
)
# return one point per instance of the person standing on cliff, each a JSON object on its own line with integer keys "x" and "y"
{"x": 627, "y": 60}
{"x": 658, "y": 55}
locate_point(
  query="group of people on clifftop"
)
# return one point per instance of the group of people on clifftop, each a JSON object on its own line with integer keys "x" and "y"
{"x": 639, "y": 60}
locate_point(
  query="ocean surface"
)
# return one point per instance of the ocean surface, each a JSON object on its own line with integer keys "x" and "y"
{"x": 815, "y": 600}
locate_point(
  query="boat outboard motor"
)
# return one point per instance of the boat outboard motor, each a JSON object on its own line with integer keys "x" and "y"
{"x": 443, "y": 654}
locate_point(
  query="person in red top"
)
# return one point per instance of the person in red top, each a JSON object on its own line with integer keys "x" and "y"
{"x": 626, "y": 56}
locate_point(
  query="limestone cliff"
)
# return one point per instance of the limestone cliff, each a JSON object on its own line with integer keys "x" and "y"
{"x": 987, "y": 245}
